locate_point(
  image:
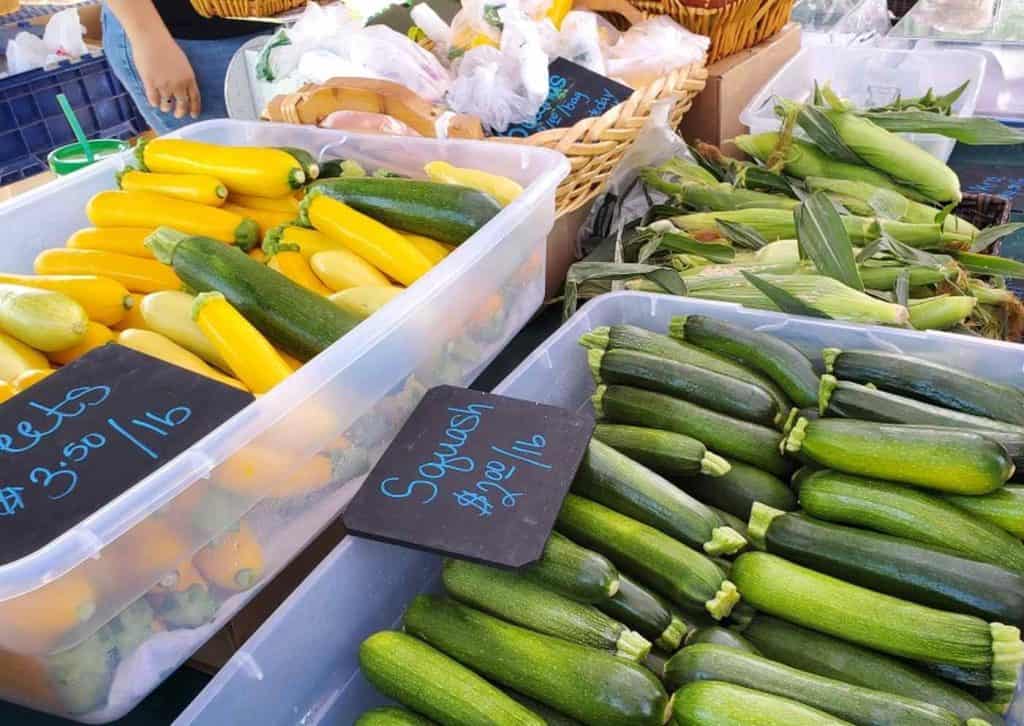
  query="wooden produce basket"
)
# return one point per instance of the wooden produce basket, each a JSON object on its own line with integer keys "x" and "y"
{"x": 243, "y": 8}
{"x": 9, "y": 6}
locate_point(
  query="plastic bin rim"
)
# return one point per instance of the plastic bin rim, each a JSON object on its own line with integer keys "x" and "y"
{"x": 88, "y": 537}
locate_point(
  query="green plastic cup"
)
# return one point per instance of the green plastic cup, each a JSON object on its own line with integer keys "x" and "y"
{"x": 66, "y": 159}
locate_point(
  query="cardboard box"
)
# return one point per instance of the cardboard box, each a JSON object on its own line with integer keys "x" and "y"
{"x": 732, "y": 83}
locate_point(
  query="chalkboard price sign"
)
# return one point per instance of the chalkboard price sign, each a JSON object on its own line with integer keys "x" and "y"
{"x": 73, "y": 442}
{"x": 473, "y": 475}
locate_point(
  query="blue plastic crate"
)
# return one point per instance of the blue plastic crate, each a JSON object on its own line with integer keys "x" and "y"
{"x": 27, "y": 12}
{"x": 31, "y": 122}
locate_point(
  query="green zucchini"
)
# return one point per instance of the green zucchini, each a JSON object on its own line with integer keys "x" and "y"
{"x": 631, "y": 337}
{"x": 445, "y": 212}
{"x": 957, "y": 461}
{"x": 736, "y": 491}
{"x": 713, "y": 703}
{"x": 856, "y": 704}
{"x": 512, "y": 597}
{"x": 667, "y": 453}
{"x": 928, "y": 381}
{"x": 334, "y": 168}
{"x": 748, "y": 442}
{"x": 298, "y": 320}
{"x": 645, "y": 612}
{"x": 736, "y": 523}
{"x": 391, "y": 716}
{"x": 618, "y": 482}
{"x": 909, "y": 513}
{"x": 719, "y": 636}
{"x": 429, "y": 682}
{"x": 683, "y": 575}
{"x": 590, "y": 685}
{"x": 701, "y": 386}
{"x": 832, "y": 606}
{"x": 306, "y": 161}
{"x": 1003, "y": 508}
{"x": 826, "y": 656}
{"x": 783, "y": 363}
{"x": 893, "y": 565}
{"x": 655, "y": 663}
{"x": 550, "y": 715}
{"x": 574, "y": 571}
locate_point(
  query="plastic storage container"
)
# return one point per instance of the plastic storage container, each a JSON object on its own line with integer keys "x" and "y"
{"x": 32, "y": 124}
{"x": 302, "y": 665}
{"x": 872, "y": 77}
{"x": 846, "y": 22}
{"x": 268, "y": 480}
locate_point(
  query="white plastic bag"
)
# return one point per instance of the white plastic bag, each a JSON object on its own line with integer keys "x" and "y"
{"x": 580, "y": 43}
{"x": 391, "y": 56}
{"x": 25, "y": 52}
{"x": 653, "y": 48}
{"x": 62, "y": 40}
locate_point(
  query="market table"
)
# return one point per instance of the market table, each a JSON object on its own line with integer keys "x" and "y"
{"x": 996, "y": 170}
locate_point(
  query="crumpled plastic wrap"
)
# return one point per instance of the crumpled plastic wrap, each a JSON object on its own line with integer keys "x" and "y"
{"x": 62, "y": 40}
{"x": 652, "y": 49}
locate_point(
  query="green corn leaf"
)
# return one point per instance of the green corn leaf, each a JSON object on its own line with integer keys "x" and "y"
{"x": 986, "y": 237}
{"x": 681, "y": 243}
{"x": 903, "y": 287}
{"x": 824, "y": 135}
{"x": 741, "y": 235}
{"x": 990, "y": 265}
{"x": 891, "y": 248}
{"x": 782, "y": 299}
{"x": 583, "y": 272}
{"x": 824, "y": 239}
{"x": 971, "y": 130}
{"x": 715, "y": 169}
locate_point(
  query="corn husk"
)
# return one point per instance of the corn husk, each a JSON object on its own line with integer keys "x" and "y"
{"x": 941, "y": 312}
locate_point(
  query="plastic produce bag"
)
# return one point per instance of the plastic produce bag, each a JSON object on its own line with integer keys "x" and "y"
{"x": 652, "y": 49}
{"x": 61, "y": 40}
{"x": 580, "y": 42}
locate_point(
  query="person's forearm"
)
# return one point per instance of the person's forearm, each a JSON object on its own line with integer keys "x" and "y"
{"x": 140, "y": 20}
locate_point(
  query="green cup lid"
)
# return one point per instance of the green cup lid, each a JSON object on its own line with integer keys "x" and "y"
{"x": 66, "y": 159}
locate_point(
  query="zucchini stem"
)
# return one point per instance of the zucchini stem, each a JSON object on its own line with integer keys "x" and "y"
{"x": 672, "y": 637}
{"x": 725, "y": 541}
{"x": 594, "y": 358}
{"x": 613, "y": 587}
{"x": 794, "y": 441}
{"x": 761, "y": 517}
{"x": 1007, "y": 657}
{"x": 791, "y": 419}
{"x": 724, "y": 600}
{"x": 596, "y": 339}
{"x": 632, "y": 645}
{"x": 825, "y": 391}
{"x": 677, "y": 327}
{"x": 714, "y": 465}
{"x": 163, "y": 242}
{"x": 829, "y": 355}
{"x": 598, "y": 401}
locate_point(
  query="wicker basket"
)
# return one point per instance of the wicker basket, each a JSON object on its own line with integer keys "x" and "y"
{"x": 732, "y": 25}
{"x": 985, "y": 210}
{"x": 243, "y": 8}
{"x": 9, "y": 6}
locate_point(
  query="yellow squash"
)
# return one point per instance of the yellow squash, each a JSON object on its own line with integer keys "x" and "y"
{"x": 146, "y": 209}
{"x": 170, "y": 314}
{"x": 259, "y": 172}
{"x": 233, "y": 561}
{"x": 135, "y": 273}
{"x": 557, "y": 12}
{"x": 365, "y": 301}
{"x": 123, "y": 240}
{"x": 306, "y": 241}
{"x": 43, "y": 319}
{"x": 133, "y": 317}
{"x": 294, "y": 266}
{"x": 42, "y": 616}
{"x": 385, "y": 249}
{"x": 279, "y": 204}
{"x": 267, "y": 219}
{"x": 259, "y": 255}
{"x": 198, "y": 188}
{"x": 30, "y": 378}
{"x": 341, "y": 269}
{"x": 251, "y": 356}
{"x": 501, "y": 188}
{"x": 7, "y": 391}
{"x": 96, "y": 335}
{"x": 435, "y": 251}
{"x": 258, "y": 471}
{"x": 16, "y": 358}
{"x": 105, "y": 300}
{"x": 157, "y": 346}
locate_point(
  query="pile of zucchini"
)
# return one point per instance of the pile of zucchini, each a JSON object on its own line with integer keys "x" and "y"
{"x": 753, "y": 537}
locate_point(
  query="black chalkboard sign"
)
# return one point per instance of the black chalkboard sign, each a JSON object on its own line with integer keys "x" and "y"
{"x": 76, "y": 440}
{"x": 575, "y": 93}
{"x": 473, "y": 475}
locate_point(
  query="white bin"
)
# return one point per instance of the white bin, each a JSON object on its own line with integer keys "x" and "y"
{"x": 302, "y": 666}
{"x": 346, "y": 404}
{"x": 870, "y": 77}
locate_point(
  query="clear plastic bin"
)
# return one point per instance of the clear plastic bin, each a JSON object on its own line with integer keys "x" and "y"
{"x": 92, "y": 622}
{"x": 871, "y": 76}
{"x": 842, "y": 22}
{"x": 302, "y": 665}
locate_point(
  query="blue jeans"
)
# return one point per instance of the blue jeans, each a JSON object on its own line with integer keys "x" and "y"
{"x": 209, "y": 59}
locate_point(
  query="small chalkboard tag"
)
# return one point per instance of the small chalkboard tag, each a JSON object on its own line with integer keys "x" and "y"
{"x": 76, "y": 440}
{"x": 575, "y": 93}
{"x": 473, "y": 475}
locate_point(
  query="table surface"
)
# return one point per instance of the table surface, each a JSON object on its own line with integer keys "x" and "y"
{"x": 996, "y": 170}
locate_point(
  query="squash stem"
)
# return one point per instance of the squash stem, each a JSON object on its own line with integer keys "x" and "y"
{"x": 794, "y": 441}
{"x": 724, "y": 541}
{"x": 829, "y": 355}
{"x": 1007, "y": 657}
{"x": 596, "y": 339}
{"x": 594, "y": 358}
{"x": 672, "y": 637}
{"x": 724, "y": 600}
{"x": 714, "y": 465}
{"x": 598, "y": 401}
{"x": 163, "y": 242}
{"x": 247, "y": 235}
{"x": 761, "y": 517}
{"x": 825, "y": 391}
{"x": 613, "y": 587}
{"x": 677, "y": 327}
{"x": 791, "y": 419}
{"x": 632, "y": 645}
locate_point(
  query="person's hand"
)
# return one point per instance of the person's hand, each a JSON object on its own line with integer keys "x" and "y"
{"x": 168, "y": 76}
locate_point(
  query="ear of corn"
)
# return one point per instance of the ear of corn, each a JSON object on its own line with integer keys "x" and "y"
{"x": 941, "y": 312}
